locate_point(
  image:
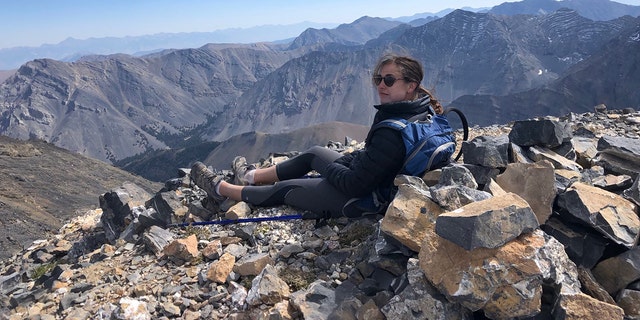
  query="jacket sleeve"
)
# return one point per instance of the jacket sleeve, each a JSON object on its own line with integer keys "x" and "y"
{"x": 378, "y": 163}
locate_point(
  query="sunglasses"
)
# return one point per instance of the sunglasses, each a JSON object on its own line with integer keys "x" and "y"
{"x": 389, "y": 80}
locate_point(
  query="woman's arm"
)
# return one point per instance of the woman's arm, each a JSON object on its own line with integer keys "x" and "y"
{"x": 378, "y": 163}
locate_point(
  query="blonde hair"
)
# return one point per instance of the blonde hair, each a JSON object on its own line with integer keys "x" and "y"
{"x": 412, "y": 71}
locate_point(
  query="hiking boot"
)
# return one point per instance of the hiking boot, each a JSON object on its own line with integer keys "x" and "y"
{"x": 206, "y": 180}
{"x": 240, "y": 168}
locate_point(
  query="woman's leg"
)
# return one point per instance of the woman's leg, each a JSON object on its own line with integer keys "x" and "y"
{"x": 315, "y": 158}
{"x": 313, "y": 194}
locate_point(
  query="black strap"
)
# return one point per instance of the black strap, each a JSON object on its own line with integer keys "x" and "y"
{"x": 465, "y": 126}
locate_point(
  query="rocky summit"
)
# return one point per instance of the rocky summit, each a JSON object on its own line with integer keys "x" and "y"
{"x": 539, "y": 220}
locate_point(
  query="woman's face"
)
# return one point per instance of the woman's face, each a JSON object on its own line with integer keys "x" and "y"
{"x": 400, "y": 90}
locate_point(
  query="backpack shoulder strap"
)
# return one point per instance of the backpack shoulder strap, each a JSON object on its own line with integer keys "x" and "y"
{"x": 397, "y": 124}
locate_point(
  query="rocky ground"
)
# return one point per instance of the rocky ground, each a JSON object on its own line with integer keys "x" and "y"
{"x": 121, "y": 261}
{"x": 43, "y": 186}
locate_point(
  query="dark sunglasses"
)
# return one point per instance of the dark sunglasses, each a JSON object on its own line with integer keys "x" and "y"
{"x": 389, "y": 80}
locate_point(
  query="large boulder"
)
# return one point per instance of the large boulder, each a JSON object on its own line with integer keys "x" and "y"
{"x": 505, "y": 282}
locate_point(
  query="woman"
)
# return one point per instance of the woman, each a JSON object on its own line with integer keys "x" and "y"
{"x": 350, "y": 185}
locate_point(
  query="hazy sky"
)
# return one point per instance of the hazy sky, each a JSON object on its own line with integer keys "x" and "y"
{"x": 36, "y": 22}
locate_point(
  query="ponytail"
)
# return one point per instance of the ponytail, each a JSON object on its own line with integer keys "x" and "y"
{"x": 421, "y": 92}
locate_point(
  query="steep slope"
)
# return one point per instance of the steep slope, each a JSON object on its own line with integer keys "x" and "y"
{"x": 318, "y": 87}
{"x": 119, "y": 106}
{"x": 617, "y": 77}
{"x": 477, "y": 53}
{"x": 42, "y": 186}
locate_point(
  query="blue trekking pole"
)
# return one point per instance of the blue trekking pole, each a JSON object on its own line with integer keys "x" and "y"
{"x": 235, "y": 221}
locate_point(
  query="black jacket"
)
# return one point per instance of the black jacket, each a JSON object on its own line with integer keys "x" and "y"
{"x": 376, "y": 166}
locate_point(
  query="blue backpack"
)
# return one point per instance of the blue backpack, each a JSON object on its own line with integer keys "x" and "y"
{"x": 429, "y": 143}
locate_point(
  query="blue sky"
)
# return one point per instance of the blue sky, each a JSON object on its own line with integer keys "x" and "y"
{"x": 36, "y": 22}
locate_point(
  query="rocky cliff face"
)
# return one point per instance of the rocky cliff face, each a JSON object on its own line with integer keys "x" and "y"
{"x": 114, "y": 107}
{"x": 540, "y": 220}
{"x": 615, "y": 67}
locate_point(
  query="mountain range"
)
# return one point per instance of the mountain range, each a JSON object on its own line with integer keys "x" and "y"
{"x": 497, "y": 67}
{"x": 73, "y": 49}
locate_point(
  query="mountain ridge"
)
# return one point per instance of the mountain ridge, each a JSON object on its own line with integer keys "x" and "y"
{"x": 615, "y": 86}
{"x": 71, "y": 49}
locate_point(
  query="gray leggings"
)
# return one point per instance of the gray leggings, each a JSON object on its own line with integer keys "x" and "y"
{"x": 313, "y": 194}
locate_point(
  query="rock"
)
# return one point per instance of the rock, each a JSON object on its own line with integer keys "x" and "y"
{"x": 533, "y": 182}
{"x": 252, "y": 265}
{"x": 613, "y": 183}
{"x": 537, "y": 153}
{"x": 482, "y": 175}
{"x": 196, "y": 209}
{"x": 291, "y": 249}
{"x": 267, "y": 288}
{"x": 169, "y": 207}
{"x": 373, "y": 268}
{"x": 545, "y": 132}
{"x": 219, "y": 270}
{"x": 601, "y": 108}
{"x": 473, "y": 278}
{"x": 213, "y": 250}
{"x": 117, "y": 206}
{"x": 316, "y": 302}
{"x": 410, "y": 215}
{"x": 617, "y": 272}
{"x": 488, "y": 223}
{"x": 519, "y": 154}
{"x": 453, "y": 197}
{"x": 633, "y": 193}
{"x": 608, "y": 213}
{"x": 494, "y": 188}
{"x": 420, "y": 300}
{"x": 457, "y": 175}
{"x": 369, "y": 310}
{"x": 182, "y": 250}
{"x": 9, "y": 281}
{"x": 620, "y": 155}
{"x": 586, "y": 149}
{"x": 583, "y": 245}
{"x": 133, "y": 309}
{"x": 238, "y": 211}
{"x": 591, "y": 287}
{"x": 580, "y": 306}
{"x": 156, "y": 239}
{"x": 487, "y": 151}
{"x": 629, "y": 301}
